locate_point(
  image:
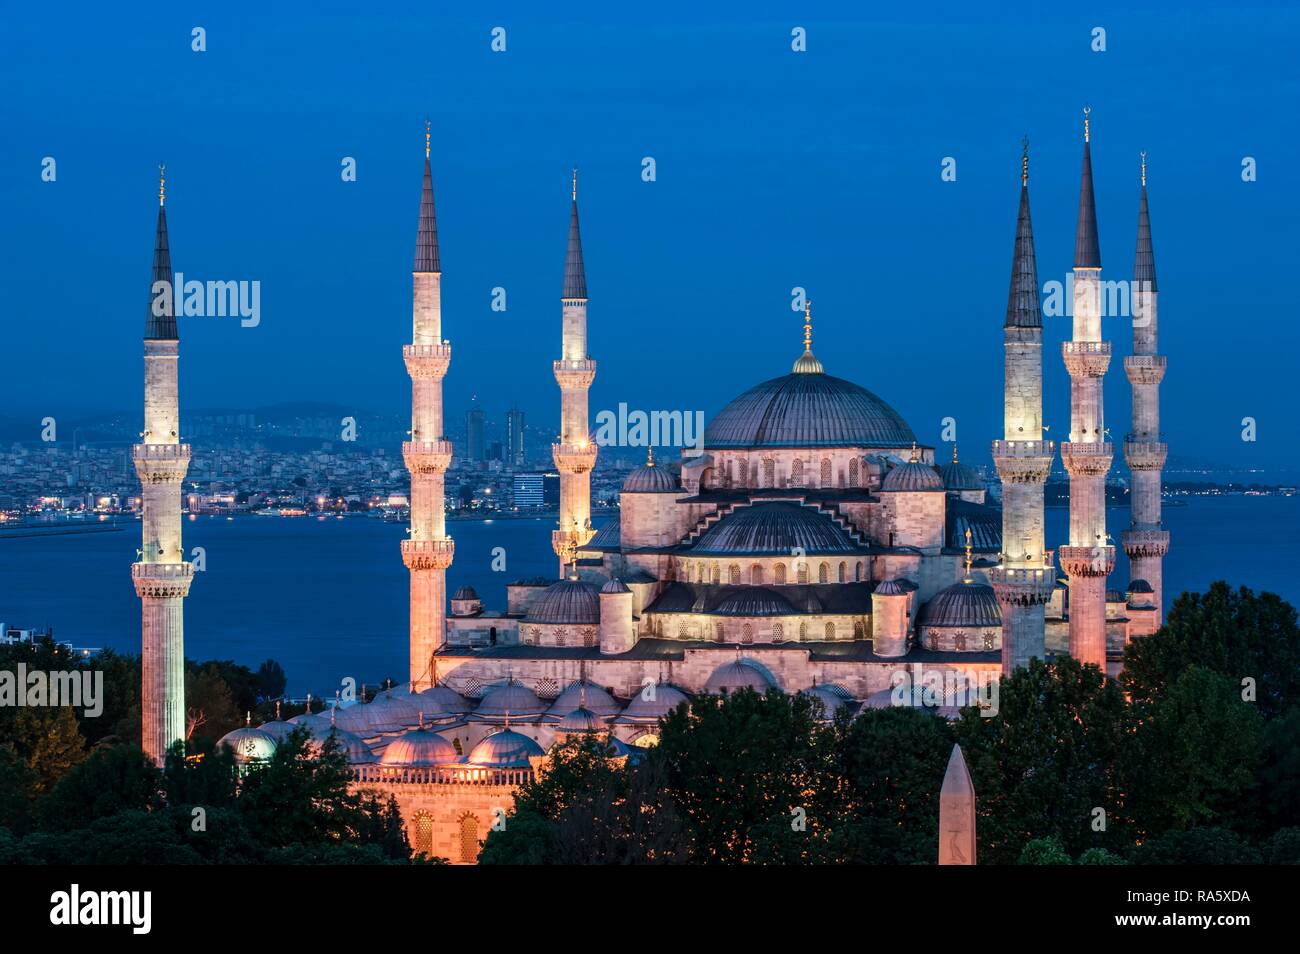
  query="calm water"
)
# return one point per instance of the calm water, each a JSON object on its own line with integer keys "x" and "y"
{"x": 327, "y": 598}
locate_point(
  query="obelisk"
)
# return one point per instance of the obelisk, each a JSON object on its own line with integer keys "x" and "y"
{"x": 957, "y": 813}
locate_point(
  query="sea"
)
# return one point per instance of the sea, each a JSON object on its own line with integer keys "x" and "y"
{"x": 327, "y": 597}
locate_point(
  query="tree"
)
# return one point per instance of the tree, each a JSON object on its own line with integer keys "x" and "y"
{"x": 1235, "y": 633}
{"x": 113, "y": 779}
{"x": 51, "y": 743}
{"x": 270, "y": 680}
{"x": 1043, "y": 851}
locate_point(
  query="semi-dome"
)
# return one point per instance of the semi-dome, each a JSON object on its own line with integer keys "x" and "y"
{"x": 832, "y": 698}
{"x": 775, "y": 528}
{"x": 418, "y": 748}
{"x": 653, "y": 702}
{"x": 568, "y": 601}
{"x": 504, "y": 749}
{"x": 912, "y": 477}
{"x": 737, "y": 675}
{"x": 754, "y": 601}
{"x": 965, "y": 604}
{"x": 250, "y": 744}
{"x": 807, "y": 408}
{"x": 585, "y": 695}
{"x": 957, "y": 476}
{"x": 512, "y": 699}
{"x": 649, "y": 479}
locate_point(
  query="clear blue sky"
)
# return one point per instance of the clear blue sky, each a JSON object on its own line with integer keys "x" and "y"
{"x": 775, "y": 169}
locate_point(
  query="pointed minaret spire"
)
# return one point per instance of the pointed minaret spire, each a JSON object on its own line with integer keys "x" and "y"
{"x": 1144, "y": 266}
{"x": 575, "y": 276}
{"x": 1087, "y": 251}
{"x": 426, "y": 236}
{"x": 160, "y": 319}
{"x": 1023, "y": 308}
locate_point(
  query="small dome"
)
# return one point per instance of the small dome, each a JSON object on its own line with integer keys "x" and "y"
{"x": 465, "y": 593}
{"x": 568, "y": 601}
{"x": 389, "y": 712}
{"x": 615, "y": 586}
{"x": 439, "y": 701}
{"x": 586, "y": 695}
{"x": 890, "y": 588}
{"x": 418, "y": 748}
{"x": 504, "y": 749}
{"x": 1140, "y": 586}
{"x": 510, "y": 699}
{"x": 581, "y": 720}
{"x": 912, "y": 477}
{"x": 832, "y": 698}
{"x": 277, "y": 730}
{"x": 1115, "y": 596}
{"x": 736, "y": 675}
{"x": 754, "y": 601}
{"x": 250, "y": 745}
{"x": 962, "y": 604}
{"x": 649, "y": 479}
{"x": 957, "y": 476}
{"x": 354, "y": 747}
{"x": 665, "y": 699}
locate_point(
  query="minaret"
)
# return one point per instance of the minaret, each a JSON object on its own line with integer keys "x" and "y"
{"x": 1145, "y": 541}
{"x": 162, "y": 576}
{"x": 575, "y": 454}
{"x": 1025, "y": 576}
{"x": 1089, "y": 558}
{"x": 428, "y": 552}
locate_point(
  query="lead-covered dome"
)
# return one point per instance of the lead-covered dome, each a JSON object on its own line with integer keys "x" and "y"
{"x": 807, "y": 408}
{"x": 568, "y": 601}
{"x": 249, "y": 744}
{"x": 737, "y": 675}
{"x": 754, "y": 601}
{"x": 512, "y": 699}
{"x": 912, "y": 477}
{"x": 653, "y": 702}
{"x": 775, "y": 528}
{"x": 649, "y": 479}
{"x": 963, "y": 604}
{"x": 418, "y": 748}
{"x": 504, "y": 749}
{"x": 585, "y": 695}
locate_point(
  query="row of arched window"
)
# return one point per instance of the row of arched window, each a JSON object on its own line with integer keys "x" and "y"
{"x": 797, "y": 477}
{"x": 724, "y": 632}
{"x": 704, "y": 573}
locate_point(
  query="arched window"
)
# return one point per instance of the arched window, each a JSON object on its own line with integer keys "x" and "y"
{"x": 988, "y": 641}
{"x": 561, "y": 637}
{"x": 731, "y": 472}
{"x": 830, "y": 630}
{"x": 699, "y": 573}
{"x": 455, "y": 744}
{"x": 803, "y": 631}
{"x": 779, "y": 573}
{"x": 747, "y": 633}
{"x": 826, "y": 471}
{"x": 853, "y": 472}
{"x": 733, "y": 573}
{"x": 717, "y": 574}
{"x": 756, "y": 574}
{"x": 589, "y": 637}
{"x": 422, "y": 834}
{"x": 778, "y": 633}
{"x": 803, "y": 572}
{"x": 468, "y": 839}
{"x": 681, "y": 629}
{"x": 796, "y": 472}
{"x": 959, "y": 642}
{"x": 857, "y": 572}
{"x": 823, "y": 574}
{"x": 769, "y": 472}
{"x": 718, "y": 633}
{"x": 844, "y": 572}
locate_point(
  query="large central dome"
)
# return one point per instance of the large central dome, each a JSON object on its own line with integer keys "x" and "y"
{"x": 807, "y": 410}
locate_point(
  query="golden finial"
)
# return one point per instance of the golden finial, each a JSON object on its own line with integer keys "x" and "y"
{"x": 248, "y": 718}
{"x": 968, "y": 556}
{"x": 807, "y": 324}
{"x": 915, "y": 458}
{"x": 1024, "y": 162}
{"x": 575, "y": 185}
{"x": 427, "y": 136}
{"x": 954, "y": 452}
{"x": 1086, "y": 111}
{"x": 1144, "y": 168}
{"x": 162, "y": 183}
{"x": 650, "y": 456}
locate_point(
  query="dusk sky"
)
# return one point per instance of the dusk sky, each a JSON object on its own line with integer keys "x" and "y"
{"x": 774, "y": 169}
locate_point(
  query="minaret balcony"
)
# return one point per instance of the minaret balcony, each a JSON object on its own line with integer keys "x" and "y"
{"x": 574, "y": 375}
{"x": 427, "y": 457}
{"x": 1086, "y": 359}
{"x": 567, "y": 543}
{"x": 1145, "y": 543}
{"x": 1023, "y": 462}
{"x": 1145, "y": 455}
{"x": 427, "y": 361}
{"x": 1087, "y": 561}
{"x": 161, "y": 463}
{"x": 1145, "y": 368}
{"x": 577, "y": 458}
{"x": 1085, "y": 459}
{"x": 162, "y": 580}
{"x": 428, "y": 554}
{"x": 1024, "y": 585}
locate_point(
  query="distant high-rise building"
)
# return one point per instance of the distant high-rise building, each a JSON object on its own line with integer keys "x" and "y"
{"x": 537, "y": 489}
{"x": 514, "y": 456}
{"x": 474, "y": 445}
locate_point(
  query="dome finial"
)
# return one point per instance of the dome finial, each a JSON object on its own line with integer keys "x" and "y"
{"x": 248, "y": 718}
{"x": 954, "y": 452}
{"x": 277, "y": 710}
{"x": 575, "y": 184}
{"x": 1024, "y": 162}
{"x": 915, "y": 456}
{"x": 968, "y": 556}
{"x": 162, "y": 183}
{"x": 1144, "y": 168}
{"x": 807, "y": 326}
{"x": 1086, "y": 111}
{"x": 650, "y": 455}
{"x": 427, "y": 136}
